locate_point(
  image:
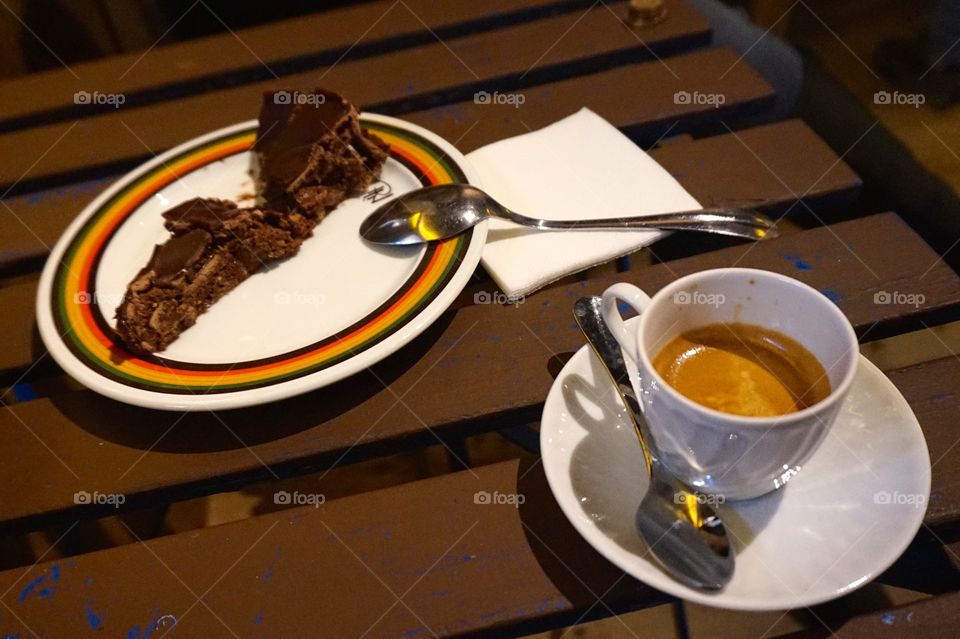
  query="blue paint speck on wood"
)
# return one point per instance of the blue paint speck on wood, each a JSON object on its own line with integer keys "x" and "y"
{"x": 134, "y": 632}
{"x": 258, "y": 619}
{"x": 43, "y": 585}
{"x": 94, "y": 620}
{"x": 888, "y": 618}
{"x": 268, "y": 573}
{"x": 798, "y": 262}
{"x": 832, "y": 295}
{"x": 24, "y": 392}
{"x": 30, "y": 587}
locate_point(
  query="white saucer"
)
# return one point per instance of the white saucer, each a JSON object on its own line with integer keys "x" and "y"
{"x": 848, "y": 515}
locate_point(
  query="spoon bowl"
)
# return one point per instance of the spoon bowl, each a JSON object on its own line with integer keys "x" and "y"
{"x": 443, "y": 211}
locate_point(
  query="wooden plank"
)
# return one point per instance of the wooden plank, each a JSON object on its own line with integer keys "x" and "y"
{"x": 644, "y": 103}
{"x": 80, "y": 441}
{"x": 768, "y": 166}
{"x": 933, "y": 390}
{"x": 172, "y": 70}
{"x": 19, "y": 340}
{"x": 935, "y": 618}
{"x": 726, "y": 170}
{"x": 422, "y": 559}
{"x": 395, "y": 82}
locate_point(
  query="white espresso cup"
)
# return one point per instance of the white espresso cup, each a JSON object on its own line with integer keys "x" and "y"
{"x": 721, "y": 453}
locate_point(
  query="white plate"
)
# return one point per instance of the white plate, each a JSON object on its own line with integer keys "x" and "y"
{"x": 336, "y": 308}
{"x": 839, "y": 523}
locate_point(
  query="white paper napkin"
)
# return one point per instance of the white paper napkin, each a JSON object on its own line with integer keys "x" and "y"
{"x": 579, "y": 167}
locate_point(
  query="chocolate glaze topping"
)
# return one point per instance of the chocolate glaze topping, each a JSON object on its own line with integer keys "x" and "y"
{"x": 178, "y": 253}
{"x": 205, "y": 213}
{"x": 289, "y": 130}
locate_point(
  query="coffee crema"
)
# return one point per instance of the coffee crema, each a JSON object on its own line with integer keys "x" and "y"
{"x": 743, "y": 369}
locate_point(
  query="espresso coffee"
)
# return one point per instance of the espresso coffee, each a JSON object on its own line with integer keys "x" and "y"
{"x": 743, "y": 369}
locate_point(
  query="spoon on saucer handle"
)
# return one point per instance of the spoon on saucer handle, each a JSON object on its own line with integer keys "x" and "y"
{"x": 445, "y": 210}
{"x": 685, "y": 534}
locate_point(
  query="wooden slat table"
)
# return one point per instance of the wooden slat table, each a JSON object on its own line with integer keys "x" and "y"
{"x": 416, "y": 559}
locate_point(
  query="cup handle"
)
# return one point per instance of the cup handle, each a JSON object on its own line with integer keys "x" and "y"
{"x": 633, "y": 296}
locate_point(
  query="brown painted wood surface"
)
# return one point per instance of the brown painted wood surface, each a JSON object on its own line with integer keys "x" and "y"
{"x": 80, "y": 441}
{"x": 362, "y": 29}
{"x": 423, "y": 558}
{"x": 764, "y": 167}
{"x": 934, "y": 618}
{"x": 933, "y": 391}
{"x": 455, "y": 566}
{"x": 397, "y": 82}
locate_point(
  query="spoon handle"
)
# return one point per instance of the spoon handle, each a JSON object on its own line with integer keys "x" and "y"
{"x": 724, "y": 221}
{"x": 586, "y": 311}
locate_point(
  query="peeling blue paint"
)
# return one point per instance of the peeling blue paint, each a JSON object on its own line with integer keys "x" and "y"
{"x": 94, "y": 620}
{"x": 135, "y": 633}
{"x": 798, "y": 262}
{"x": 832, "y": 295}
{"x": 23, "y": 392}
{"x": 43, "y": 585}
{"x": 268, "y": 573}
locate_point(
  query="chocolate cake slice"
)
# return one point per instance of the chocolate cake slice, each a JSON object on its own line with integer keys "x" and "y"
{"x": 312, "y": 151}
{"x": 312, "y": 156}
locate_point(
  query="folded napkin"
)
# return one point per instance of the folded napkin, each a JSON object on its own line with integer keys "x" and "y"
{"x": 577, "y": 168}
